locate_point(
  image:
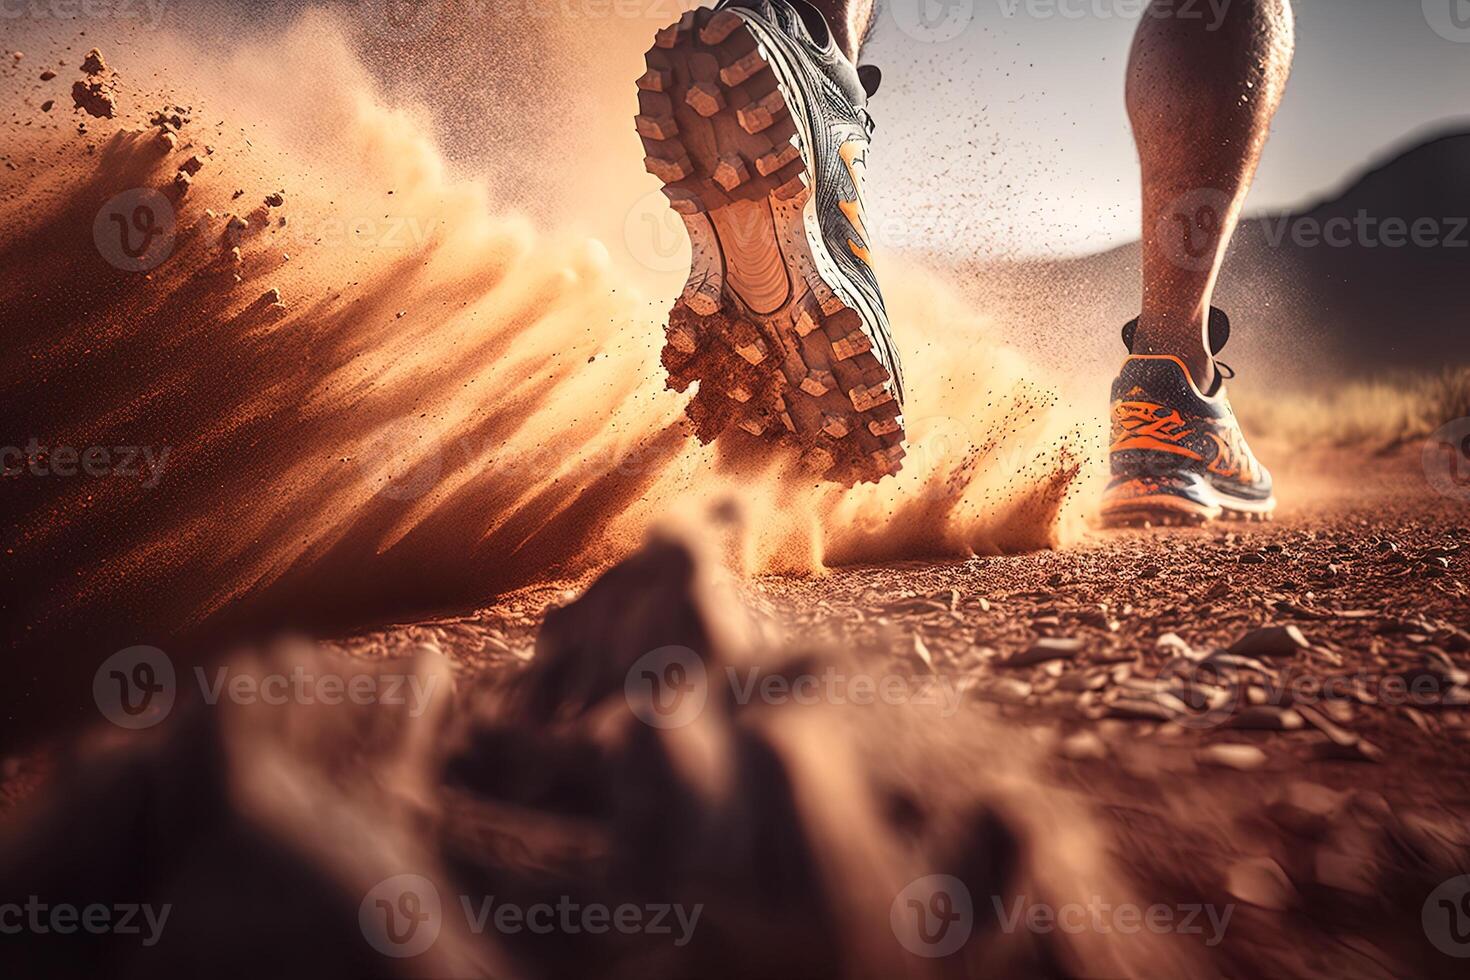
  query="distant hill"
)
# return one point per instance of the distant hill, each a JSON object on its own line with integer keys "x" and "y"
{"x": 1366, "y": 304}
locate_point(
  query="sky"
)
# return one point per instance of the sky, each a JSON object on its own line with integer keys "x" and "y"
{"x": 1002, "y": 128}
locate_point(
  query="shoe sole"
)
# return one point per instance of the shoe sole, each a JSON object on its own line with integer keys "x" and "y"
{"x": 777, "y": 352}
{"x": 1170, "y": 511}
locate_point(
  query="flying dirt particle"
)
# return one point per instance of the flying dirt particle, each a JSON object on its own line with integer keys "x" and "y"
{"x": 47, "y": 75}
{"x": 95, "y": 98}
{"x": 47, "y": 105}
{"x": 93, "y": 64}
{"x": 237, "y": 195}
{"x": 275, "y": 200}
{"x": 170, "y": 117}
{"x": 18, "y": 55}
{"x": 1271, "y": 641}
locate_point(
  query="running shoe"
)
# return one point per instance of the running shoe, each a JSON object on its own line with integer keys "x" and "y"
{"x": 758, "y": 126}
{"x": 1178, "y": 455}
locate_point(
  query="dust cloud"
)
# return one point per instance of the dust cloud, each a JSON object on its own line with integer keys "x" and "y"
{"x": 411, "y": 388}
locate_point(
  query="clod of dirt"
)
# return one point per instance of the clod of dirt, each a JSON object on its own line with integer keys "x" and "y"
{"x": 1261, "y": 882}
{"x": 1271, "y": 641}
{"x": 1267, "y": 718}
{"x": 275, "y": 200}
{"x": 1348, "y": 870}
{"x": 1232, "y": 756}
{"x": 192, "y": 165}
{"x": 170, "y": 117}
{"x": 94, "y": 64}
{"x": 48, "y": 105}
{"x": 1083, "y": 746}
{"x": 166, "y": 142}
{"x": 1043, "y": 650}
{"x": 47, "y": 75}
{"x": 182, "y": 183}
{"x": 95, "y": 98}
{"x": 1306, "y": 809}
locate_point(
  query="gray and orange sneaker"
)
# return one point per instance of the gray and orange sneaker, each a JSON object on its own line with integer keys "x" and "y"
{"x": 757, "y": 125}
{"x": 1178, "y": 455}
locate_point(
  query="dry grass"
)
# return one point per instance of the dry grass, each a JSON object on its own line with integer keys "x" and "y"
{"x": 1379, "y": 414}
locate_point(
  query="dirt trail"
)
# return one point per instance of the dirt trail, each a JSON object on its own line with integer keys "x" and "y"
{"x": 1102, "y": 731}
{"x": 1332, "y": 752}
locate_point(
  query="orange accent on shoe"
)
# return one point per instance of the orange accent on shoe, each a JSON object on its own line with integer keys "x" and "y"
{"x": 1150, "y": 443}
{"x": 853, "y": 209}
{"x": 1145, "y": 426}
{"x": 1233, "y": 460}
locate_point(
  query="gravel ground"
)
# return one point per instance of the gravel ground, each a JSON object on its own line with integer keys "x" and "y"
{"x": 1266, "y": 724}
{"x": 1268, "y": 716}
